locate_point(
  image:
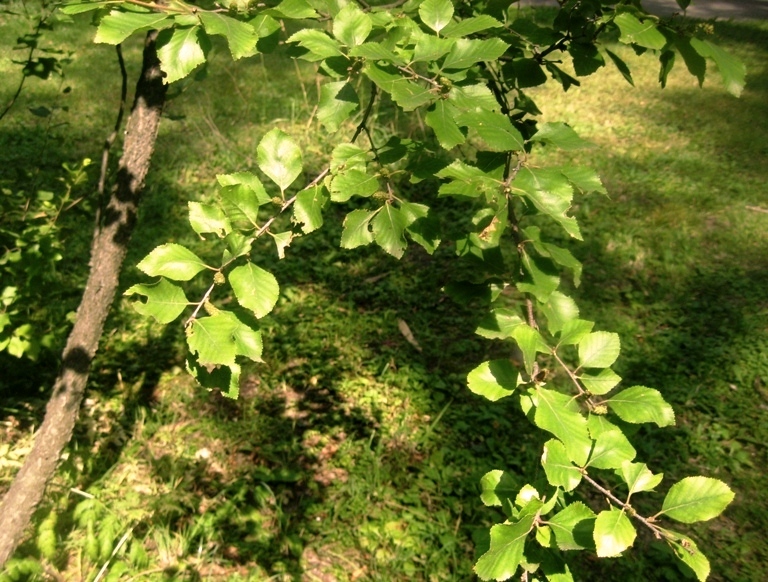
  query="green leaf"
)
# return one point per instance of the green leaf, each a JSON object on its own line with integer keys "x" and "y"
{"x": 731, "y": 69}
{"x": 667, "y": 62}
{"x": 471, "y": 25}
{"x": 574, "y": 331}
{"x": 638, "y": 477}
{"x": 180, "y": 52}
{"x": 279, "y": 158}
{"x": 410, "y": 95}
{"x": 621, "y": 66}
{"x": 116, "y": 26}
{"x": 241, "y": 36}
{"x": 255, "y": 288}
{"x": 429, "y": 48}
{"x": 307, "y": 210}
{"x": 561, "y": 135}
{"x": 584, "y": 178}
{"x": 165, "y": 301}
{"x": 613, "y": 533}
{"x": 436, "y": 14}
{"x": 601, "y": 383}
{"x": 696, "y": 499}
{"x": 494, "y": 380}
{"x": 351, "y": 25}
{"x": 694, "y": 62}
{"x": 206, "y": 218}
{"x": 240, "y": 204}
{"x": 353, "y": 183}
{"x": 560, "y": 471}
{"x": 338, "y": 101}
{"x": 494, "y": 128}
{"x": 258, "y": 196}
{"x": 541, "y": 279}
{"x": 440, "y": 118}
{"x": 282, "y": 241}
{"x": 172, "y": 261}
{"x": 78, "y": 7}
{"x": 220, "y": 338}
{"x": 225, "y": 378}
{"x": 294, "y": 9}
{"x": 468, "y": 52}
{"x": 687, "y": 551}
{"x": 347, "y": 156}
{"x": 573, "y": 527}
{"x": 423, "y": 229}
{"x": 530, "y": 343}
{"x": 599, "y": 349}
{"x": 377, "y": 52}
{"x": 506, "y": 552}
{"x": 496, "y": 487}
{"x": 388, "y": 228}
{"x": 467, "y": 180}
{"x": 643, "y": 34}
{"x": 559, "y": 309}
{"x": 551, "y": 193}
{"x": 559, "y": 414}
{"x": 611, "y": 450}
{"x": 318, "y": 43}
{"x": 499, "y": 324}
{"x": 357, "y": 230}
{"x": 639, "y": 404}
{"x": 237, "y": 246}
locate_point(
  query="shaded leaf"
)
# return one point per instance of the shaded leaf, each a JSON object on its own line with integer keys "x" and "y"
{"x": 357, "y": 230}
{"x": 494, "y": 380}
{"x": 501, "y": 561}
{"x": 496, "y": 487}
{"x": 205, "y": 218}
{"x": 307, "y": 210}
{"x": 241, "y": 36}
{"x": 165, "y": 301}
{"x": 499, "y": 323}
{"x": 220, "y": 338}
{"x": 338, "y": 101}
{"x": 573, "y": 527}
{"x": 180, "y": 52}
{"x": 255, "y": 288}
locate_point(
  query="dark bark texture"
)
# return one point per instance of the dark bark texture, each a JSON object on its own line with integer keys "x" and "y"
{"x": 107, "y": 254}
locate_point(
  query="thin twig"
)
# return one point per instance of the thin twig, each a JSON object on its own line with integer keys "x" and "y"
{"x": 757, "y": 209}
{"x": 361, "y": 126}
{"x": 657, "y": 531}
{"x": 200, "y": 305}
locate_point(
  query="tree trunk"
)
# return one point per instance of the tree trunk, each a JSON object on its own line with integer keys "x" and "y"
{"x": 108, "y": 251}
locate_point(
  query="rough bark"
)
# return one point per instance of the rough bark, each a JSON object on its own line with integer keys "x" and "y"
{"x": 107, "y": 254}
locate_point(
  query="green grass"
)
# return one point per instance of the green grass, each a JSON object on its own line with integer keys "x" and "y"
{"x": 350, "y": 455}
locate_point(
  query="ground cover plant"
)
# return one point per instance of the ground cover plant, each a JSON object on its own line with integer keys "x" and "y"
{"x": 379, "y": 432}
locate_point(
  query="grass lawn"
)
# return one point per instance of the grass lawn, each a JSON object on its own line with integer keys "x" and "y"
{"x": 351, "y": 455}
